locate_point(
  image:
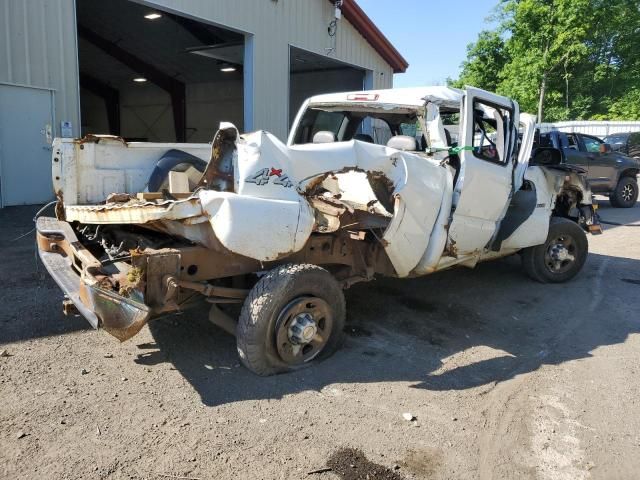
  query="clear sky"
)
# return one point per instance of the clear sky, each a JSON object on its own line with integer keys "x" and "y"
{"x": 431, "y": 34}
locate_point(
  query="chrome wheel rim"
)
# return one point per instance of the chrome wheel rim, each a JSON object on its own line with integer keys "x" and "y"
{"x": 627, "y": 193}
{"x": 561, "y": 254}
{"x": 303, "y": 329}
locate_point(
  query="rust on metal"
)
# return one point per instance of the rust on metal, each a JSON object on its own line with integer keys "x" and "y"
{"x": 92, "y": 138}
{"x": 450, "y": 249}
{"x": 219, "y": 171}
{"x": 209, "y": 290}
{"x": 69, "y": 308}
{"x": 59, "y": 209}
{"x": 121, "y": 317}
{"x": 119, "y": 198}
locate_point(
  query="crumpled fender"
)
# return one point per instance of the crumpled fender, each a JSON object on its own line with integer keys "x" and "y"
{"x": 260, "y": 228}
{"x": 268, "y": 169}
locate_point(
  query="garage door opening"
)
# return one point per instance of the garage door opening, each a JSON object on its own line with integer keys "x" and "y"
{"x": 311, "y": 74}
{"x": 150, "y": 75}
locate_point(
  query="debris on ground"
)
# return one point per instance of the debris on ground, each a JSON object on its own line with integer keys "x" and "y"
{"x": 408, "y": 417}
{"x": 319, "y": 470}
{"x": 21, "y": 435}
{"x": 168, "y": 475}
{"x": 4, "y": 353}
{"x": 84, "y": 371}
{"x": 352, "y": 464}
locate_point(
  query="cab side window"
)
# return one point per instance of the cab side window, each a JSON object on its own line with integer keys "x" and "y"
{"x": 491, "y": 125}
{"x": 634, "y": 145}
{"x": 591, "y": 144}
{"x": 572, "y": 142}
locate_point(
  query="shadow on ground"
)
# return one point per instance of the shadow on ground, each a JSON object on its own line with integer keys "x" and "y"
{"x": 613, "y": 217}
{"x": 409, "y": 330}
{"x": 418, "y": 331}
{"x": 415, "y": 330}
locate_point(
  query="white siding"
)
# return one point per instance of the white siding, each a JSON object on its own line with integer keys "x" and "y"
{"x": 38, "y": 49}
{"x": 276, "y": 25}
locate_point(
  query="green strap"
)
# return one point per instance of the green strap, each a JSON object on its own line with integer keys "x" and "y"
{"x": 451, "y": 150}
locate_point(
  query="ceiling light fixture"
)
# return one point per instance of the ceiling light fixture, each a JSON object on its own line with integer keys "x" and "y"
{"x": 227, "y": 68}
{"x": 140, "y": 79}
{"x": 152, "y": 16}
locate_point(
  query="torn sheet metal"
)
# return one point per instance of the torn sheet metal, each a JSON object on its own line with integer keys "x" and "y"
{"x": 219, "y": 172}
{"x": 270, "y": 216}
{"x": 121, "y": 317}
{"x": 135, "y": 212}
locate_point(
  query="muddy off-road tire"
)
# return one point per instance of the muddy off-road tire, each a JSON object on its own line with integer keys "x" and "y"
{"x": 294, "y": 315}
{"x": 626, "y": 193}
{"x": 561, "y": 257}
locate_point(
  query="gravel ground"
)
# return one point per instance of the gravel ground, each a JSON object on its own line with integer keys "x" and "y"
{"x": 504, "y": 378}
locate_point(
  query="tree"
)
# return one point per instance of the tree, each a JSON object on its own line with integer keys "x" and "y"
{"x": 485, "y": 58}
{"x": 547, "y": 40}
{"x": 614, "y": 57}
{"x": 565, "y": 59}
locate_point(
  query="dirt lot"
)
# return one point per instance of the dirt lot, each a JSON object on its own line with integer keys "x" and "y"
{"x": 505, "y": 378}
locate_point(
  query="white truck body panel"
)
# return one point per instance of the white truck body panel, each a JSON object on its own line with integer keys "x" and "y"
{"x": 397, "y": 183}
{"x": 269, "y": 214}
{"x": 88, "y": 170}
{"x": 484, "y": 187}
{"x": 270, "y": 220}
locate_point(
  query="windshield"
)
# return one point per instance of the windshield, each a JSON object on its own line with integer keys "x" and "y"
{"x": 615, "y": 139}
{"x": 373, "y": 126}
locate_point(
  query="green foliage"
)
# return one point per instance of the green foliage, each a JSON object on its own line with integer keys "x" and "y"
{"x": 581, "y": 56}
{"x": 485, "y": 58}
{"x": 626, "y": 107}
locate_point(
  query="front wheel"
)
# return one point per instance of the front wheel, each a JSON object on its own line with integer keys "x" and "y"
{"x": 294, "y": 315}
{"x": 626, "y": 193}
{"x": 561, "y": 257}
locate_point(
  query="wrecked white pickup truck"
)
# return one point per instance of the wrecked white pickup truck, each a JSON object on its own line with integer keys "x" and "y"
{"x": 402, "y": 182}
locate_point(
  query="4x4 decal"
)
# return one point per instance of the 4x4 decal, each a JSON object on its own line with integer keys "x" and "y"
{"x": 262, "y": 177}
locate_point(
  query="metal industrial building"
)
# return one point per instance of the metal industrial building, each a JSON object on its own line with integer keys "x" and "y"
{"x": 169, "y": 70}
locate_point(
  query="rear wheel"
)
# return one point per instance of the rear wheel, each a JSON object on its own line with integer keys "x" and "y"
{"x": 561, "y": 257}
{"x": 626, "y": 193}
{"x": 294, "y": 315}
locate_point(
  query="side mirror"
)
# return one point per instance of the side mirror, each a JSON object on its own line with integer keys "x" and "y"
{"x": 546, "y": 156}
{"x": 605, "y": 148}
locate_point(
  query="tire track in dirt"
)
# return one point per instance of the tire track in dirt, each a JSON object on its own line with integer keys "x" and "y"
{"x": 508, "y": 408}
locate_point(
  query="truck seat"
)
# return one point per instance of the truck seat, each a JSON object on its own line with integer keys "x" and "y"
{"x": 324, "y": 136}
{"x": 403, "y": 142}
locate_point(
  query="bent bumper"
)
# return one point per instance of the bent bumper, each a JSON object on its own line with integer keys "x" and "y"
{"x": 73, "y": 268}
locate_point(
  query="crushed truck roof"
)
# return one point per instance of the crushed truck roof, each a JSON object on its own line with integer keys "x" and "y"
{"x": 415, "y": 97}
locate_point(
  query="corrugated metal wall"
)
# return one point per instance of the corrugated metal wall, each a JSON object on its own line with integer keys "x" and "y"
{"x": 275, "y": 25}
{"x": 38, "y": 49}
